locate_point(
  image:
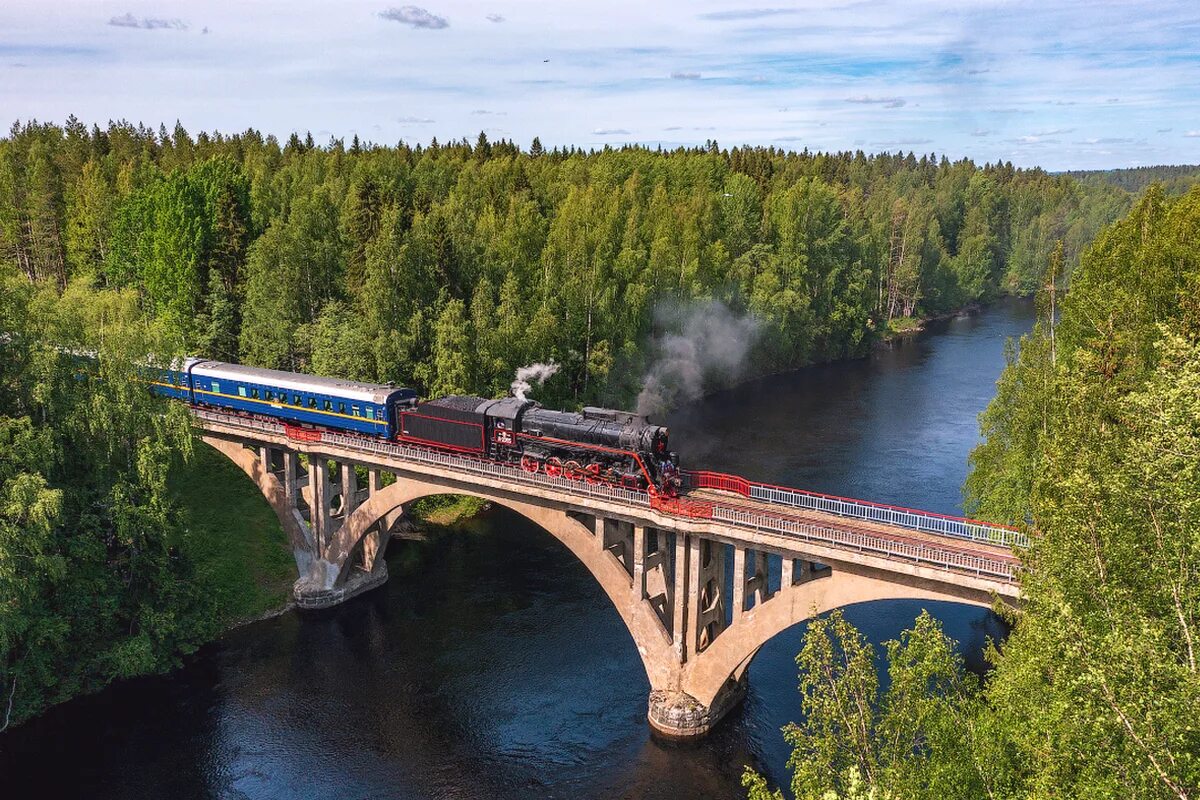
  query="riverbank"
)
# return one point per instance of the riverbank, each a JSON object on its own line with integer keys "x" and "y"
{"x": 902, "y": 327}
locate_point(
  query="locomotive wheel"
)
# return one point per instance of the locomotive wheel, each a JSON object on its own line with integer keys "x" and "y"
{"x": 591, "y": 473}
{"x": 572, "y": 471}
{"x": 554, "y": 467}
{"x": 530, "y": 464}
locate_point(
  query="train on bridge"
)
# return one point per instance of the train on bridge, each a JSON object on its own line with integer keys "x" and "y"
{"x": 597, "y": 445}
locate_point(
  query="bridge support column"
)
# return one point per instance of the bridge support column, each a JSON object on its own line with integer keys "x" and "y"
{"x": 697, "y": 619}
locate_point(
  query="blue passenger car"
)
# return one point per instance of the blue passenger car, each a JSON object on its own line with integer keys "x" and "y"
{"x": 292, "y": 397}
{"x": 173, "y": 381}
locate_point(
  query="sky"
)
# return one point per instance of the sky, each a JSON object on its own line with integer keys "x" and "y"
{"x": 1061, "y": 85}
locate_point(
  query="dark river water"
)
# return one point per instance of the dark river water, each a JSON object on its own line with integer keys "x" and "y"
{"x": 492, "y": 666}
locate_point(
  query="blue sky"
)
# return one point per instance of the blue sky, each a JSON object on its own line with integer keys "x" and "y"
{"x": 1060, "y": 85}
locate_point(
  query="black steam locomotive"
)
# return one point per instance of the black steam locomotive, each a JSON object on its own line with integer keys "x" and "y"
{"x": 598, "y": 445}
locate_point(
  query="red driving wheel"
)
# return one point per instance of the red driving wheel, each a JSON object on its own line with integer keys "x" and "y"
{"x": 573, "y": 471}
{"x": 592, "y": 473}
{"x": 530, "y": 464}
{"x": 554, "y": 467}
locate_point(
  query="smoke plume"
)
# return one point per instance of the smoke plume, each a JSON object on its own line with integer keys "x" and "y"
{"x": 703, "y": 345}
{"x": 534, "y": 372}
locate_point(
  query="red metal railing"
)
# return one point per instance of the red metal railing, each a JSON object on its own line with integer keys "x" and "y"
{"x": 299, "y": 434}
{"x": 682, "y": 506}
{"x": 702, "y": 479}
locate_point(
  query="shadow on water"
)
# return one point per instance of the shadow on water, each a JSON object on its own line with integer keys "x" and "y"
{"x": 492, "y": 665}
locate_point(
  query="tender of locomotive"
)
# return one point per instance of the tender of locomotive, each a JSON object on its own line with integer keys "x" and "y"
{"x": 598, "y": 445}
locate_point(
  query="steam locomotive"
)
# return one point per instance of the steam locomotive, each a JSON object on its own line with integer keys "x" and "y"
{"x": 597, "y": 445}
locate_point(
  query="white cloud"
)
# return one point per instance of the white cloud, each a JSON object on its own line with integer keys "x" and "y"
{"x": 1192, "y": 134}
{"x": 685, "y": 76}
{"x": 610, "y": 132}
{"x": 414, "y": 121}
{"x": 415, "y": 17}
{"x": 494, "y": 18}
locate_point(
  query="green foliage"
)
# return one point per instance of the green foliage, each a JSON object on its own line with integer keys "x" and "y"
{"x": 918, "y": 738}
{"x": 357, "y": 260}
{"x": 92, "y": 583}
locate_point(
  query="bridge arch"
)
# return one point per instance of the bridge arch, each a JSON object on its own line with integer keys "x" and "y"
{"x": 652, "y": 643}
{"x": 726, "y": 660}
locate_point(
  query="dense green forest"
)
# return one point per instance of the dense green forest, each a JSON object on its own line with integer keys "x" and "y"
{"x": 1092, "y": 443}
{"x": 448, "y": 266}
{"x": 1174, "y": 179}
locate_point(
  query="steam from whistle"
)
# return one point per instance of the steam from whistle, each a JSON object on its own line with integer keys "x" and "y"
{"x": 534, "y": 372}
{"x": 705, "y": 344}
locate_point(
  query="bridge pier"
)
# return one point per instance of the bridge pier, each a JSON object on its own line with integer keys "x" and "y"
{"x": 666, "y": 574}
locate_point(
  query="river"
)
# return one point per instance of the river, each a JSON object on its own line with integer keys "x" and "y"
{"x": 492, "y": 666}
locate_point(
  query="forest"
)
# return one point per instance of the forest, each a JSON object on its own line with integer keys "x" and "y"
{"x": 447, "y": 266}
{"x": 1093, "y": 445}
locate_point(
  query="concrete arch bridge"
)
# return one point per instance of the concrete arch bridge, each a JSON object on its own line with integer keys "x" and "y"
{"x": 662, "y": 562}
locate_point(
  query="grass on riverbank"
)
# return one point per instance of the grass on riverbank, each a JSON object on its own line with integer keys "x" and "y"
{"x": 444, "y": 510}
{"x": 233, "y": 536}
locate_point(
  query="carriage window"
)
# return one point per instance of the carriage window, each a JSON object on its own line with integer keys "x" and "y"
{"x": 370, "y": 413}
{"x": 356, "y": 411}
{"x": 216, "y": 387}
{"x": 312, "y": 402}
{"x": 268, "y": 395}
{"x": 341, "y": 408}
{"x": 254, "y": 393}
{"x": 328, "y": 406}
{"x": 242, "y": 391}
{"x": 296, "y": 400}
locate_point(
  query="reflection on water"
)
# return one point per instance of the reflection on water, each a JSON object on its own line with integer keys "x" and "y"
{"x": 491, "y": 665}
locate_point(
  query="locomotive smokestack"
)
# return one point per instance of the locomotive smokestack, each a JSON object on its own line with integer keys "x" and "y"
{"x": 534, "y": 372}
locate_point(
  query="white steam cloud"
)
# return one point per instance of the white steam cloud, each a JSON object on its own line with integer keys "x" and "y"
{"x": 706, "y": 344}
{"x": 534, "y": 372}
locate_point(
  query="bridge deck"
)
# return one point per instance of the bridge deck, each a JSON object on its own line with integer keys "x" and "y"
{"x": 733, "y": 510}
{"x": 892, "y": 532}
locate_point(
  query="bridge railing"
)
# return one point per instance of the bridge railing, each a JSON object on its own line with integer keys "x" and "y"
{"x": 740, "y": 517}
{"x": 913, "y": 519}
{"x": 867, "y": 542}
